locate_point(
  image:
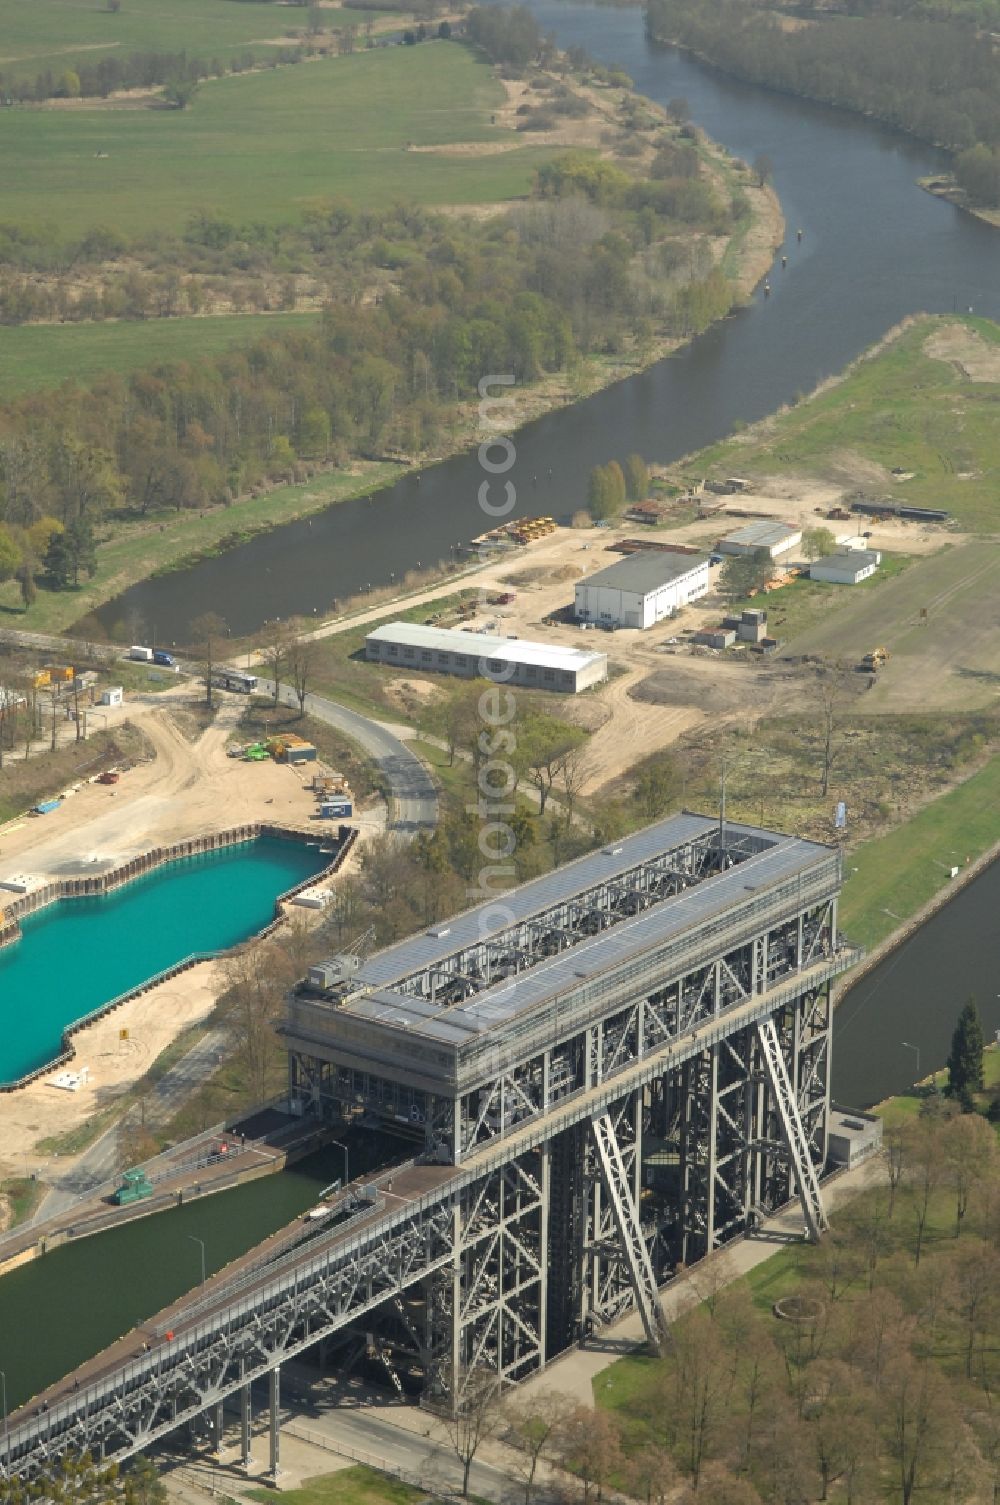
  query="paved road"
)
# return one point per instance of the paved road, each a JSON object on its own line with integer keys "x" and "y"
{"x": 411, "y": 786}
{"x": 101, "y": 1162}
{"x": 382, "y": 1440}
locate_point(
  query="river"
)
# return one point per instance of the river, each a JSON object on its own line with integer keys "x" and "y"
{"x": 875, "y": 247}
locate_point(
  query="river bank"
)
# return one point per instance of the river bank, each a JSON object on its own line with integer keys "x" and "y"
{"x": 944, "y": 186}
{"x": 164, "y": 545}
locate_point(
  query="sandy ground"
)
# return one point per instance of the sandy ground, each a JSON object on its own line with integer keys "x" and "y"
{"x": 657, "y": 691}
{"x": 972, "y": 356}
{"x": 191, "y": 787}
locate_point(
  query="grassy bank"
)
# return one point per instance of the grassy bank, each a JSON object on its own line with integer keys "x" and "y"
{"x": 349, "y": 1486}
{"x": 36, "y": 356}
{"x": 933, "y": 416}
{"x": 167, "y": 542}
{"x": 903, "y": 870}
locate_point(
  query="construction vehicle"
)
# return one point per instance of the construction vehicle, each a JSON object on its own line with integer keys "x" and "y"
{"x": 135, "y": 1187}
{"x": 875, "y": 659}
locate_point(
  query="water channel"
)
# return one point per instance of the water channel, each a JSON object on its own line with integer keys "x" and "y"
{"x": 62, "y": 1309}
{"x": 875, "y": 248}
{"x": 118, "y": 940}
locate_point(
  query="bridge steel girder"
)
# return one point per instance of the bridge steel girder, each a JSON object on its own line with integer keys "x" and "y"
{"x": 527, "y": 1239}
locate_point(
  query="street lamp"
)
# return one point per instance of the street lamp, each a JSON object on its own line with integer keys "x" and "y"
{"x": 201, "y": 1244}
{"x": 6, "y": 1427}
{"x": 917, "y": 1049}
{"x": 341, "y": 1146}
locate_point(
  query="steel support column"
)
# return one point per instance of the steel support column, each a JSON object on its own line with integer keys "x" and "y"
{"x": 245, "y": 1426}
{"x": 274, "y": 1407}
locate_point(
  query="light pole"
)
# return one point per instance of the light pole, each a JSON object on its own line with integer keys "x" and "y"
{"x": 341, "y": 1146}
{"x": 6, "y": 1428}
{"x": 917, "y": 1049}
{"x": 201, "y": 1244}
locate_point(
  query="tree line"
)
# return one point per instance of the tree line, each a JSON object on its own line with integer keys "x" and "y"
{"x": 598, "y": 259}
{"x": 873, "y": 1377}
{"x": 937, "y": 79}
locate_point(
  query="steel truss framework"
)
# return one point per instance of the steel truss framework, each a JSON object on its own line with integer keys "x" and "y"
{"x": 520, "y": 1252}
{"x": 530, "y": 1088}
{"x": 651, "y": 1121}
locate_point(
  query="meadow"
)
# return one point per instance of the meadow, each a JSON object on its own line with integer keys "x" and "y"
{"x": 58, "y": 34}
{"x": 902, "y": 408}
{"x": 263, "y": 146}
{"x": 37, "y": 356}
{"x": 903, "y": 870}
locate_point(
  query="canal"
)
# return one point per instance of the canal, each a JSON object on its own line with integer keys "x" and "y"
{"x": 915, "y": 995}
{"x": 62, "y": 1309}
{"x": 875, "y": 247}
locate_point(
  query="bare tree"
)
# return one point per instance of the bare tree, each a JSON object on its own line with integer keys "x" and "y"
{"x": 895, "y": 1147}
{"x": 927, "y": 1166}
{"x": 207, "y": 634}
{"x": 302, "y": 658}
{"x": 591, "y": 1448}
{"x": 650, "y": 1473}
{"x": 970, "y": 1157}
{"x": 277, "y": 641}
{"x": 832, "y": 693}
{"x": 477, "y": 1416}
{"x": 257, "y": 980}
{"x": 534, "y": 1429}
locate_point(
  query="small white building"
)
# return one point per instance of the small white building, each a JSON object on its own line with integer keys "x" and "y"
{"x": 113, "y": 695}
{"x": 641, "y": 589}
{"x": 852, "y": 1136}
{"x": 846, "y": 566}
{"x": 776, "y": 538}
{"x": 515, "y": 661}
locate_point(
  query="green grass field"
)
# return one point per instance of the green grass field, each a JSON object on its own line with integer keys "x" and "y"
{"x": 901, "y": 871}
{"x": 265, "y": 145}
{"x": 902, "y": 408}
{"x": 35, "y": 356}
{"x": 57, "y": 34}
{"x": 349, "y": 1486}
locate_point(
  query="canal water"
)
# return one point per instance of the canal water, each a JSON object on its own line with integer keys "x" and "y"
{"x": 915, "y": 996}
{"x": 62, "y": 1309}
{"x": 114, "y": 942}
{"x": 875, "y": 247}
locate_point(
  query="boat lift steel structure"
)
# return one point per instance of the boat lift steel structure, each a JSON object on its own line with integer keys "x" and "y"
{"x": 622, "y": 1075}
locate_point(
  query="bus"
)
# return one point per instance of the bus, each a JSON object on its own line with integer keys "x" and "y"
{"x": 234, "y": 679}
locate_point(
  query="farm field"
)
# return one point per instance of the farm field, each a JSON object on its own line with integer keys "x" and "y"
{"x": 57, "y": 34}
{"x": 947, "y": 661}
{"x": 36, "y": 356}
{"x": 925, "y": 404}
{"x": 266, "y": 145}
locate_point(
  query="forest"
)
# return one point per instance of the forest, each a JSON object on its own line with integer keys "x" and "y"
{"x": 938, "y": 79}
{"x": 416, "y": 306}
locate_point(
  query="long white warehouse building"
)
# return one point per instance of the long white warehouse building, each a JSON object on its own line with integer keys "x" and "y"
{"x": 641, "y": 589}
{"x": 533, "y": 666}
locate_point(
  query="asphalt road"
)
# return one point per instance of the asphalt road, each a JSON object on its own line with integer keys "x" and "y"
{"x": 365, "y": 1434}
{"x": 411, "y": 786}
{"x": 101, "y": 1162}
